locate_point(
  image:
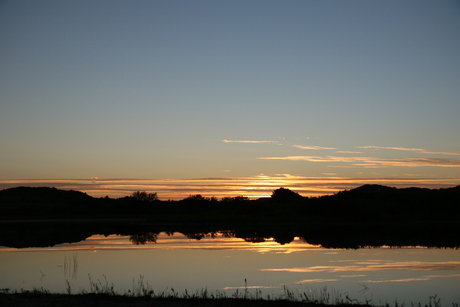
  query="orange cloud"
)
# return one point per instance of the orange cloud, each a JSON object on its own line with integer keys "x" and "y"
{"x": 349, "y": 152}
{"x": 313, "y": 147}
{"x": 373, "y": 162}
{"x": 424, "y": 278}
{"x": 421, "y": 150}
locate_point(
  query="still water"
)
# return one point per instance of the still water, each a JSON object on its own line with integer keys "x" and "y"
{"x": 176, "y": 263}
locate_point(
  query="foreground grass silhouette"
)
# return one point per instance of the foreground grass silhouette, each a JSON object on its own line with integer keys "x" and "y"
{"x": 43, "y": 298}
{"x": 144, "y": 297}
{"x": 103, "y": 294}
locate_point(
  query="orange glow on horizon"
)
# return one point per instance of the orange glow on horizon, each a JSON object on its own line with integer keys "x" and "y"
{"x": 251, "y": 187}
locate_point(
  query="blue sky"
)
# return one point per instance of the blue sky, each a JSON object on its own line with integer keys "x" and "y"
{"x": 199, "y": 89}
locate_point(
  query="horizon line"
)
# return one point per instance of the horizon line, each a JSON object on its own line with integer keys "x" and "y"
{"x": 251, "y": 186}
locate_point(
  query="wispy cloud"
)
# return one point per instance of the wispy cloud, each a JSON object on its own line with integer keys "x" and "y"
{"x": 249, "y": 142}
{"x": 313, "y": 147}
{"x": 349, "y": 152}
{"x": 420, "y": 150}
{"x": 373, "y": 161}
{"x": 423, "y": 278}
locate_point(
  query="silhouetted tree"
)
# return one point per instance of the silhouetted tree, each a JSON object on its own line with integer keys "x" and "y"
{"x": 144, "y": 196}
{"x": 196, "y": 198}
{"x": 283, "y": 195}
{"x": 234, "y": 199}
{"x": 199, "y": 198}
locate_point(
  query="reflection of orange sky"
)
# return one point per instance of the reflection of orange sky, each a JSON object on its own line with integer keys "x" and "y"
{"x": 377, "y": 265}
{"x": 252, "y": 187}
{"x": 176, "y": 241}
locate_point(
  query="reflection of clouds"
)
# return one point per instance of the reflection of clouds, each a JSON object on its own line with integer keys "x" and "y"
{"x": 371, "y": 262}
{"x": 179, "y": 242}
{"x": 318, "y": 280}
{"x": 420, "y": 266}
{"x": 371, "y": 266}
{"x": 352, "y": 276}
{"x": 254, "y": 187}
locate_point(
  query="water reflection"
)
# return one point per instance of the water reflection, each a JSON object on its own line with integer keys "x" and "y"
{"x": 71, "y": 266}
{"x": 441, "y": 235}
{"x": 143, "y": 238}
{"x": 344, "y": 239}
{"x": 221, "y": 261}
{"x": 174, "y": 241}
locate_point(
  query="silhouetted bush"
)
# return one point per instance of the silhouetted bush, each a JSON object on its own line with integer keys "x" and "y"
{"x": 285, "y": 196}
{"x": 144, "y": 196}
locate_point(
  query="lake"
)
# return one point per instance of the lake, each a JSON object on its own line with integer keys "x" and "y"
{"x": 222, "y": 264}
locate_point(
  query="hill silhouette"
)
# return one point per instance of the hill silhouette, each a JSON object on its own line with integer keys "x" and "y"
{"x": 365, "y": 203}
{"x": 42, "y": 195}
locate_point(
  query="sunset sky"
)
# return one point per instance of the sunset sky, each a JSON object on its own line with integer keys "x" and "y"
{"x": 229, "y": 97}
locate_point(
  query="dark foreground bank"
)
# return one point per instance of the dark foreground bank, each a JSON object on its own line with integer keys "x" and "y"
{"x": 46, "y": 299}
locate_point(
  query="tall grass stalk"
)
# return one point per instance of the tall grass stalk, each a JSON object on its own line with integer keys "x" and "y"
{"x": 323, "y": 296}
{"x": 71, "y": 266}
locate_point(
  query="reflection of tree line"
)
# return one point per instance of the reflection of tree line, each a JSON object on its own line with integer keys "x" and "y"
{"x": 144, "y": 238}
{"x": 335, "y": 235}
{"x": 338, "y": 236}
{"x": 152, "y": 237}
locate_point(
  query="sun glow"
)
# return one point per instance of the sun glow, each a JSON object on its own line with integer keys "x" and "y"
{"x": 252, "y": 187}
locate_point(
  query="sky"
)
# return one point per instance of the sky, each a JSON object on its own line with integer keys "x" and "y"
{"x": 199, "y": 96}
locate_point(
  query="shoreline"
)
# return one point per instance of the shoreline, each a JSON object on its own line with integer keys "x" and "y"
{"x": 49, "y": 232}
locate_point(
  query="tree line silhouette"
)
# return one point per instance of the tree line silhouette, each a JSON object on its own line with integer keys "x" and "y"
{"x": 368, "y": 203}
